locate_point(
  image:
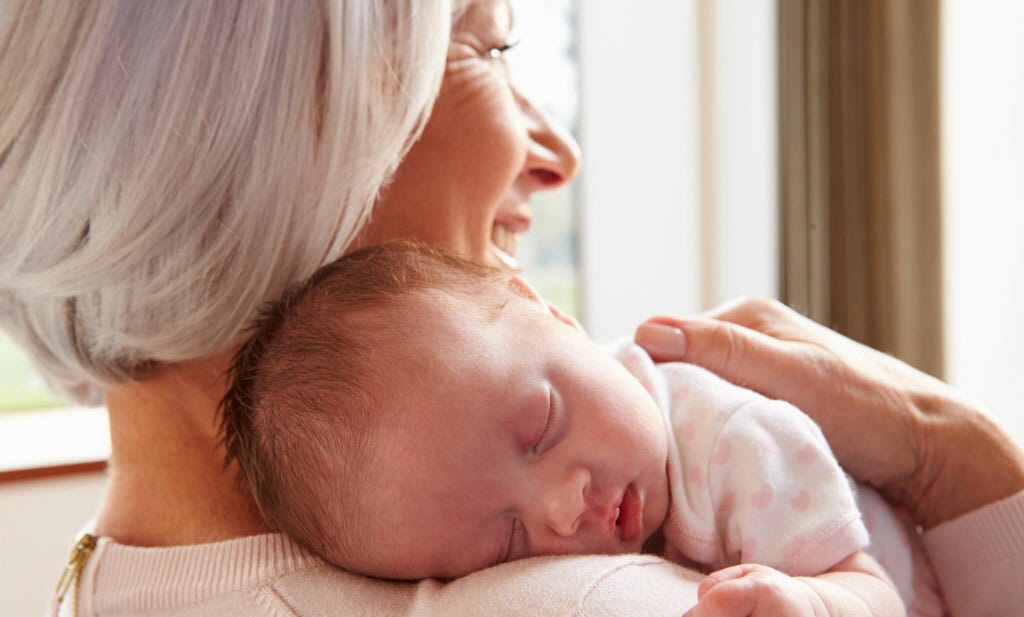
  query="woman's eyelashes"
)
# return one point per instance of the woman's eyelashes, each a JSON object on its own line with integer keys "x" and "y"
{"x": 498, "y": 52}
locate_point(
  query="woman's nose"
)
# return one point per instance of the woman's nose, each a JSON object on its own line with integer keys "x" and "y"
{"x": 565, "y": 502}
{"x": 553, "y": 156}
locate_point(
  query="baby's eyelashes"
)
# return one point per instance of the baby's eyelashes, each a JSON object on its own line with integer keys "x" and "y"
{"x": 542, "y": 419}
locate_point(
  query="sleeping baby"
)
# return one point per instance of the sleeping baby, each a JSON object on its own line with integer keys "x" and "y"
{"x": 407, "y": 414}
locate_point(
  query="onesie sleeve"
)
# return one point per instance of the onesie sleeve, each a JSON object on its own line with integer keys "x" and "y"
{"x": 779, "y": 496}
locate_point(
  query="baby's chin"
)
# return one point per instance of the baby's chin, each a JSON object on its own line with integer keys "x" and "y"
{"x": 654, "y": 544}
{"x": 656, "y": 511}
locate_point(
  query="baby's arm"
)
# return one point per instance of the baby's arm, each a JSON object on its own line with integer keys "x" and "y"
{"x": 779, "y": 504}
{"x": 855, "y": 587}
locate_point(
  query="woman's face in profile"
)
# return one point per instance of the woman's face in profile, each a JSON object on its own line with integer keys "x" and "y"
{"x": 466, "y": 182}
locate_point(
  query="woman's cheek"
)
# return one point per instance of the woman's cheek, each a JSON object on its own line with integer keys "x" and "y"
{"x": 487, "y": 119}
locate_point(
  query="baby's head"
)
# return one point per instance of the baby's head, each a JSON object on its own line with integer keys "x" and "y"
{"x": 408, "y": 414}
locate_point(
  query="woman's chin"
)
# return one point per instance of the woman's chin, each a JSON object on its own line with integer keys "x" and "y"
{"x": 504, "y": 257}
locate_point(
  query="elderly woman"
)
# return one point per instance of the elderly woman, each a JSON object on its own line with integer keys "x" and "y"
{"x": 168, "y": 167}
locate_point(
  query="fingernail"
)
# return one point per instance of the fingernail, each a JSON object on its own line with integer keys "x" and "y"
{"x": 661, "y": 340}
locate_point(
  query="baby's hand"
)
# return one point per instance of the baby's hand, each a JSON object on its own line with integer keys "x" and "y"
{"x": 753, "y": 590}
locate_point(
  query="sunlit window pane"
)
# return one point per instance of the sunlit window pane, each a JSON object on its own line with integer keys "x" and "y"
{"x": 21, "y": 387}
{"x": 543, "y": 67}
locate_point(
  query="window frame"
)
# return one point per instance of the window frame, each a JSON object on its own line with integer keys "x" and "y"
{"x": 44, "y": 443}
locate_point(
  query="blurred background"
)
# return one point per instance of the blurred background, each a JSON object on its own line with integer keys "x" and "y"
{"x": 862, "y": 160}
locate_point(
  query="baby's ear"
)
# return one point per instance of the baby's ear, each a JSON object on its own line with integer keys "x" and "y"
{"x": 565, "y": 317}
{"x": 523, "y": 287}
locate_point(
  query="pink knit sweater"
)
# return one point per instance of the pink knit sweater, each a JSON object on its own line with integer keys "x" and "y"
{"x": 978, "y": 559}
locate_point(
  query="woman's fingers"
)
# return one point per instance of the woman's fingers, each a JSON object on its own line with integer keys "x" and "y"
{"x": 750, "y": 313}
{"x": 664, "y": 340}
{"x": 851, "y": 391}
{"x": 740, "y": 355}
{"x": 888, "y": 424}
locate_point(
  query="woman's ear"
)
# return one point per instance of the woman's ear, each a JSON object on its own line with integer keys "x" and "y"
{"x": 523, "y": 287}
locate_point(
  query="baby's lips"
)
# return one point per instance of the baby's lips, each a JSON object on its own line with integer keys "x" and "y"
{"x": 629, "y": 524}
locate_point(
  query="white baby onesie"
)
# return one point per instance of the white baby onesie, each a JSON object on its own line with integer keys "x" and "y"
{"x": 753, "y": 480}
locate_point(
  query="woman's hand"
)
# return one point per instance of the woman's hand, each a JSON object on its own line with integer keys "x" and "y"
{"x": 920, "y": 442}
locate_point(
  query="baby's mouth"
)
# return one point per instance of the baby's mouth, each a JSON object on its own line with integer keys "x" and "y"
{"x": 629, "y": 516}
{"x": 505, "y": 244}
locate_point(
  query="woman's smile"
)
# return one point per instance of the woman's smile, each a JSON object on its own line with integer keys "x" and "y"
{"x": 466, "y": 183}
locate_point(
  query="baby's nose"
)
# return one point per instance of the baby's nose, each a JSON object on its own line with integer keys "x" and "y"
{"x": 567, "y": 503}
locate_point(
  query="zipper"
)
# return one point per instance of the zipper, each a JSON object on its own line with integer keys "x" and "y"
{"x": 80, "y": 553}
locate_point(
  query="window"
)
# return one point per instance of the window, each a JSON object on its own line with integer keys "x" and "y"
{"x": 21, "y": 387}
{"x": 39, "y": 433}
{"x": 543, "y": 66}
{"x": 678, "y": 184}
{"x": 983, "y": 221}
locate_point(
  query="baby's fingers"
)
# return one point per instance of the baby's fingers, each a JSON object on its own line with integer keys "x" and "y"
{"x": 735, "y": 597}
{"x": 723, "y": 575}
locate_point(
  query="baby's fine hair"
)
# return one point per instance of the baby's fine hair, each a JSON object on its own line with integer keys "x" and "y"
{"x": 312, "y": 384}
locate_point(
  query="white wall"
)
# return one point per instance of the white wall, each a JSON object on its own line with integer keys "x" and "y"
{"x": 740, "y": 124}
{"x": 640, "y": 218}
{"x": 39, "y": 520}
{"x": 983, "y": 161}
{"x": 678, "y": 130}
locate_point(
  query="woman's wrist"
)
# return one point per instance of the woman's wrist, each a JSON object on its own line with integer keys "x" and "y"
{"x": 966, "y": 462}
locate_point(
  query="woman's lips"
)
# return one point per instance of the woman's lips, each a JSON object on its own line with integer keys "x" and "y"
{"x": 630, "y": 522}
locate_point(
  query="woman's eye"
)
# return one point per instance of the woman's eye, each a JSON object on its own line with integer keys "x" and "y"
{"x": 498, "y": 53}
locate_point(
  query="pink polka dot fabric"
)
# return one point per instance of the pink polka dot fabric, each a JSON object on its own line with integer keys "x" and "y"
{"x": 754, "y": 480}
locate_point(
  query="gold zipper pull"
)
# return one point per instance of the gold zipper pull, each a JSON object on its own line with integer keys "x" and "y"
{"x": 80, "y": 553}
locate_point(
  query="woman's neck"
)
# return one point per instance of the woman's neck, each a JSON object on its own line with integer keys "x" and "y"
{"x": 168, "y": 483}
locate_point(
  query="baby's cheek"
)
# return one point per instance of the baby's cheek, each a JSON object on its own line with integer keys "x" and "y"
{"x": 658, "y": 502}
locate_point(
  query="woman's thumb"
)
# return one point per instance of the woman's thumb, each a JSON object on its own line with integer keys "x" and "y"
{"x": 738, "y": 354}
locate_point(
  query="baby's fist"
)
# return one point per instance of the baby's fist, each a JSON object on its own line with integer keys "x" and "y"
{"x": 753, "y": 590}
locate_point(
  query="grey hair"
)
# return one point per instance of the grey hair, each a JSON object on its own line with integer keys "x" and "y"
{"x": 168, "y": 167}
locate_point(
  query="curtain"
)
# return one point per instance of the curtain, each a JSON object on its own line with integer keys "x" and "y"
{"x": 860, "y": 201}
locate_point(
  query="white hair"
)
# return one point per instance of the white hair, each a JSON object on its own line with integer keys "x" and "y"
{"x": 167, "y": 167}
